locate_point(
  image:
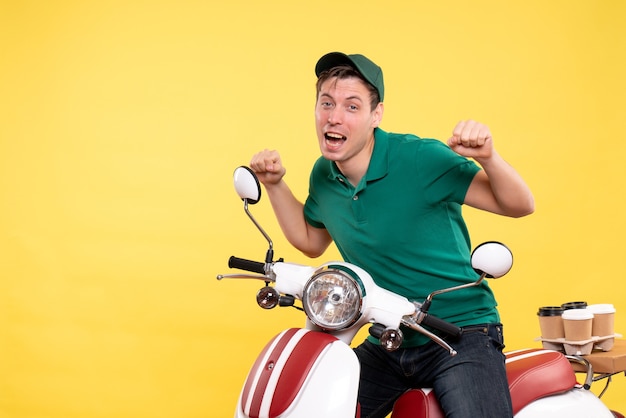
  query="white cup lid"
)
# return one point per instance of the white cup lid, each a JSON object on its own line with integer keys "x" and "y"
{"x": 602, "y": 308}
{"x": 577, "y": 314}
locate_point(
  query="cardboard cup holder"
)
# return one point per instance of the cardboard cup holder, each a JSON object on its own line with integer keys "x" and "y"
{"x": 579, "y": 348}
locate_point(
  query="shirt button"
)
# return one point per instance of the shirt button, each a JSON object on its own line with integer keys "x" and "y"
{"x": 355, "y": 198}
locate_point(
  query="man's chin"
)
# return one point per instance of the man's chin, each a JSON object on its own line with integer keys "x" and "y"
{"x": 331, "y": 151}
{"x": 331, "y": 155}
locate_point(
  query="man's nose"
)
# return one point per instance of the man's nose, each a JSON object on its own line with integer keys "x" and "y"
{"x": 334, "y": 116}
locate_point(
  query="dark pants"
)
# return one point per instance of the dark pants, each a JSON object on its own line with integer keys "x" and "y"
{"x": 471, "y": 384}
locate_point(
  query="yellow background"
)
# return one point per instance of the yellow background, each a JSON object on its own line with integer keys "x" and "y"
{"x": 121, "y": 123}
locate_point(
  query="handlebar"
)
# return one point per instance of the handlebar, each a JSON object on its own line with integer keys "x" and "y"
{"x": 248, "y": 265}
{"x": 441, "y": 325}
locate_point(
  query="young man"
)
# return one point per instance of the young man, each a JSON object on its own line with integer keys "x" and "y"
{"x": 392, "y": 205}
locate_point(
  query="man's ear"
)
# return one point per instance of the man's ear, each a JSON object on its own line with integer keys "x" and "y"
{"x": 378, "y": 115}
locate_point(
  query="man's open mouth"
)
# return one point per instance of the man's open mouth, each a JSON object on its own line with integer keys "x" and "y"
{"x": 333, "y": 137}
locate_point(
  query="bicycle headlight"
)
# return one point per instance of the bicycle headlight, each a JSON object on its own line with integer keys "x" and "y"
{"x": 332, "y": 298}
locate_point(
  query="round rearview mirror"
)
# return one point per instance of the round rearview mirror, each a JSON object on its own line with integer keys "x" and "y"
{"x": 492, "y": 258}
{"x": 247, "y": 185}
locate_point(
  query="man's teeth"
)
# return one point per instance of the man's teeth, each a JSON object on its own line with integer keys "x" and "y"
{"x": 334, "y": 136}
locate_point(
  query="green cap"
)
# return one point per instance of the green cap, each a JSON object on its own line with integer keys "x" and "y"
{"x": 370, "y": 71}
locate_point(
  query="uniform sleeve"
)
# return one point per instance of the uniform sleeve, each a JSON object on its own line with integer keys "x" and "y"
{"x": 311, "y": 206}
{"x": 446, "y": 174}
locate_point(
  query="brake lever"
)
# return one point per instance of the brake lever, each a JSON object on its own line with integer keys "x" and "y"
{"x": 410, "y": 322}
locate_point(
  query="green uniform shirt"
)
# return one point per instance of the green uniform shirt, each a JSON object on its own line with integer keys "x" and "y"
{"x": 403, "y": 224}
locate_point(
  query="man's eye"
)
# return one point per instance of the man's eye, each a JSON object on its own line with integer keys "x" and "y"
{"x": 327, "y": 104}
{"x": 353, "y": 108}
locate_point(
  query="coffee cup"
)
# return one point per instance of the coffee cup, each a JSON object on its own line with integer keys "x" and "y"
{"x": 577, "y": 324}
{"x": 603, "y": 319}
{"x": 550, "y": 322}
